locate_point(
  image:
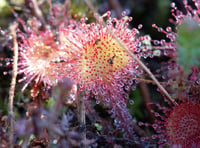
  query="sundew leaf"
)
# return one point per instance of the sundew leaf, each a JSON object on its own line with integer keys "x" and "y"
{"x": 188, "y": 44}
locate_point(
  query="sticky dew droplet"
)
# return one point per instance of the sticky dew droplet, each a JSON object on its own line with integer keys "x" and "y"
{"x": 5, "y": 73}
{"x": 131, "y": 102}
{"x": 140, "y": 26}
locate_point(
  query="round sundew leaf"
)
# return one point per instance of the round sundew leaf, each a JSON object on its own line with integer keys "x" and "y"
{"x": 38, "y": 54}
{"x": 183, "y": 124}
{"x": 103, "y": 59}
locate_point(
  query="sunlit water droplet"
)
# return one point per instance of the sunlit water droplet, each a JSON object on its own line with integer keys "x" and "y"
{"x": 140, "y": 26}
{"x": 5, "y": 73}
{"x": 131, "y": 102}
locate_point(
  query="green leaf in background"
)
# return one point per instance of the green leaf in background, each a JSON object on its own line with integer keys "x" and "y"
{"x": 135, "y": 109}
{"x": 49, "y": 103}
{"x": 188, "y": 43}
{"x": 78, "y": 9}
{"x": 98, "y": 126}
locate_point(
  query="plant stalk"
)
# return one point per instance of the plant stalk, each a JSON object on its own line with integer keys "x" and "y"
{"x": 12, "y": 85}
{"x": 81, "y": 113}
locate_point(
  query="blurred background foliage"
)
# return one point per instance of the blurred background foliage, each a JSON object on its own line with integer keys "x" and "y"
{"x": 188, "y": 44}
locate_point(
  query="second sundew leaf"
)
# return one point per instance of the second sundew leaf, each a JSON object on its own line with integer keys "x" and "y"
{"x": 188, "y": 45}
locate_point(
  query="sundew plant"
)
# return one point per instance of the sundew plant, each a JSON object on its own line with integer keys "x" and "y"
{"x": 99, "y": 74}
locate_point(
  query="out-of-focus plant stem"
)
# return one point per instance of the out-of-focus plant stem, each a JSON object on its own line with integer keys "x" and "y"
{"x": 12, "y": 85}
{"x": 64, "y": 88}
{"x": 152, "y": 82}
{"x": 81, "y": 113}
{"x": 141, "y": 64}
{"x": 144, "y": 92}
